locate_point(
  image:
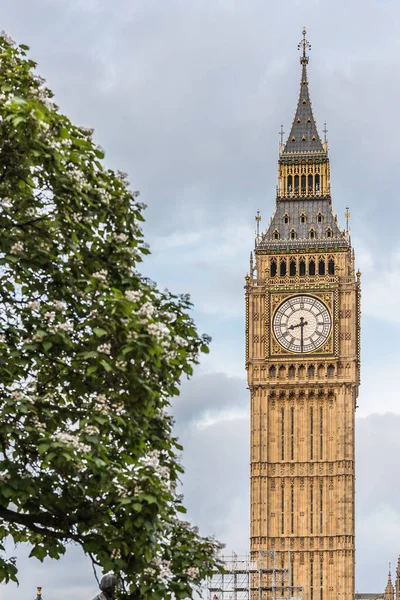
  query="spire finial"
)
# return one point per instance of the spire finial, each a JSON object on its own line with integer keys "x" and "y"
{"x": 303, "y": 45}
{"x": 258, "y": 219}
{"x": 347, "y": 215}
{"x": 281, "y": 133}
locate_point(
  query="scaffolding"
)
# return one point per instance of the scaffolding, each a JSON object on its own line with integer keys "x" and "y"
{"x": 246, "y": 579}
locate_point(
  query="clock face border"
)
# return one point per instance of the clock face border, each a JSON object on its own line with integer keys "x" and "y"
{"x": 274, "y": 300}
{"x": 305, "y": 303}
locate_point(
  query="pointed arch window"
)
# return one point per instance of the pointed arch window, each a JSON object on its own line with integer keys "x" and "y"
{"x": 296, "y": 184}
{"x": 329, "y": 233}
{"x": 293, "y": 234}
{"x": 286, "y": 219}
{"x": 298, "y": 120}
{"x": 291, "y": 371}
{"x": 321, "y": 267}
{"x": 302, "y": 267}
{"x": 282, "y": 270}
{"x": 303, "y": 183}
{"x": 317, "y": 186}
{"x": 311, "y": 267}
{"x": 290, "y": 184}
{"x": 272, "y": 372}
{"x": 273, "y": 267}
{"x": 320, "y": 218}
{"x": 276, "y": 235}
{"x": 311, "y": 371}
{"x": 292, "y": 268}
{"x": 331, "y": 371}
{"x": 303, "y": 218}
{"x": 312, "y": 234}
{"x": 331, "y": 266}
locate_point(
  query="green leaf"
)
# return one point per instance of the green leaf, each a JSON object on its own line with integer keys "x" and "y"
{"x": 99, "y": 331}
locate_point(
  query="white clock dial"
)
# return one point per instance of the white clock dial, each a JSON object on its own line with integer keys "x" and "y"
{"x": 301, "y": 324}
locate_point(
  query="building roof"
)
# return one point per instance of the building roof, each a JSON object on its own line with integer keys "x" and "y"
{"x": 304, "y": 137}
{"x": 319, "y": 219}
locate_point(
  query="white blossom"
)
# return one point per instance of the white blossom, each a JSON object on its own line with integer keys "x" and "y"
{"x": 101, "y": 275}
{"x": 71, "y": 440}
{"x": 133, "y": 296}
{"x": 17, "y": 248}
{"x": 147, "y": 310}
{"x": 68, "y": 326}
{"x": 34, "y": 305}
{"x": 6, "y": 203}
{"x": 104, "y": 348}
{"x": 120, "y": 237}
{"x": 16, "y": 395}
{"x": 59, "y": 305}
{"x": 159, "y": 330}
{"x": 2, "y": 338}
{"x": 192, "y": 572}
{"x": 180, "y": 341}
{"x": 50, "y": 315}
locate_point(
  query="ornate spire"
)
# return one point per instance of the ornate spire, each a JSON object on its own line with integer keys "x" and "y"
{"x": 304, "y": 137}
{"x": 389, "y": 591}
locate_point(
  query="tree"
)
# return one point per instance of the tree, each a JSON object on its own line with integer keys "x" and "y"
{"x": 90, "y": 354}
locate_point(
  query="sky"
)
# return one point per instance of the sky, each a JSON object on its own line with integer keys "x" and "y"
{"x": 187, "y": 97}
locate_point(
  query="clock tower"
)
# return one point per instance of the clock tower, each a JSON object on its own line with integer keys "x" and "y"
{"x": 303, "y": 365}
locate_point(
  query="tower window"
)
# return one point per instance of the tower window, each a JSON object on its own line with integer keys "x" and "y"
{"x": 302, "y": 266}
{"x": 313, "y": 138}
{"x": 311, "y": 267}
{"x": 292, "y": 508}
{"x": 312, "y": 234}
{"x": 293, "y": 139}
{"x": 304, "y": 101}
{"x": 276, "y": 234}
{"x": 293, "y": 235}
{"x": 309, "y": 120}
{"x": 292, "y": 268}
{"x": 303, "y": 139}
{"x": 329, "y": 233}
{"x": 311, "y": 435}
{"x": 331, "y": 371}
{"x": 292, "y": 433}
{"x": 303, "y": 183}
{"x": 303, "y": 218}
{"x": 291, "y": 371}
{"x": 321, "y": 267}
{"x": 273, "y": 268}
{"x": 311, "y": 371}
{"x": 319, "y": 218}
{"x": 331, "y": 267}
{"x": 283, "y": 268}
{"x": 298, "y": 120}
{"x": 321, "y": 429}
{"x": 286, "y": 219}
{"x": 272, "y": 372}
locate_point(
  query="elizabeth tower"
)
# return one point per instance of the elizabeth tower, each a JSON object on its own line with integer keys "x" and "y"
{"x": 303, "y": 361}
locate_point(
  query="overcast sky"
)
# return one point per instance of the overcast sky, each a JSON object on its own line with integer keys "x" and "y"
{"x": 187, "y": 96}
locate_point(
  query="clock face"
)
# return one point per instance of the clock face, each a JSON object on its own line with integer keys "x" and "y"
{"x": 301, "y": 324}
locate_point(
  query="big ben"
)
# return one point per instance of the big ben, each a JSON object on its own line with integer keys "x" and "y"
{"x": 303, "y": 365}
